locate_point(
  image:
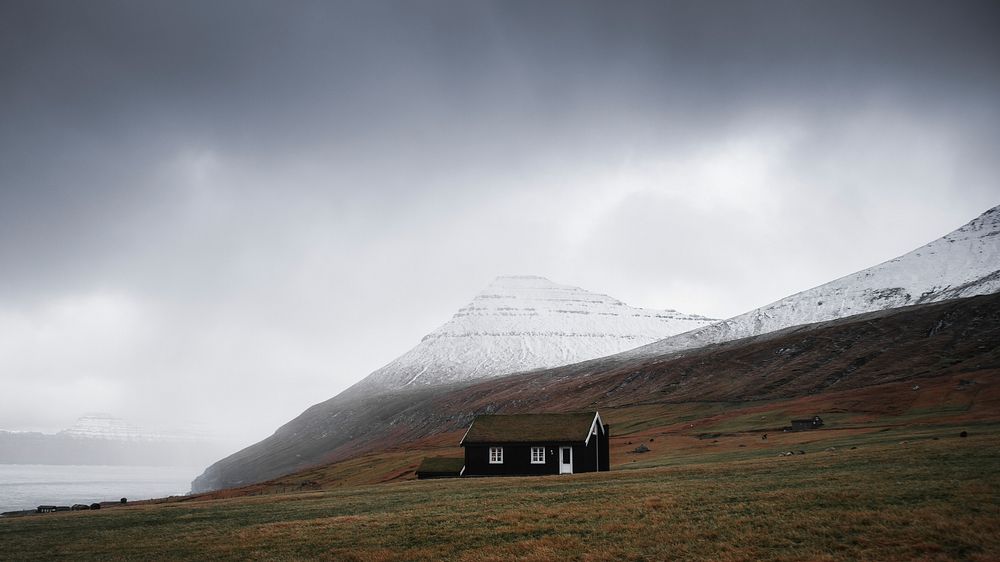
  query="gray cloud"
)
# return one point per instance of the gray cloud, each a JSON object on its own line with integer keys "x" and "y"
{"x": 243, "y": 207}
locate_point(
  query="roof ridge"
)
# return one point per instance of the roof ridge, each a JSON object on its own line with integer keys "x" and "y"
{"x": 531, "y": 427}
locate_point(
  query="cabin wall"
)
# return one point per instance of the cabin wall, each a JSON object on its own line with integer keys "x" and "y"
{"x": 586, "y": 458}
{"x": 516, "y": 460}
{"x": 422, "y": 475}
{"x": 591, "y": 456}
{"x": 606, "y": 449}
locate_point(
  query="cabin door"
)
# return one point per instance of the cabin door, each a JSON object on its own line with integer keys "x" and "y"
{"x": 565, "y": 460}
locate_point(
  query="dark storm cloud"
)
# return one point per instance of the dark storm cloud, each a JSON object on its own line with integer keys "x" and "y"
{"x": 273, "y": 76}
{"x": 261, "y": 75}
{"x": 237, "y": 191}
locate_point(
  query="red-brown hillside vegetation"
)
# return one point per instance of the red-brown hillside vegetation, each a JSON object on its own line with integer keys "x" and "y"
{"x": 913, "y": 364}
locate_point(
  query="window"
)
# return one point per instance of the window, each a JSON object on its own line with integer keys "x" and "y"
{"x": 538, "y": 455}
{"x": 496, "y": 455}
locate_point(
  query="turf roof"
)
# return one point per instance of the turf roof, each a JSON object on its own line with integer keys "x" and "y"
{"x": 441, "y": 464}
{"x": 529, "y": 428}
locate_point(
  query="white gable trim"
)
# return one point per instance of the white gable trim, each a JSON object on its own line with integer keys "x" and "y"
{"x": 597, "y": 423}
{"x": 462, "y": 442}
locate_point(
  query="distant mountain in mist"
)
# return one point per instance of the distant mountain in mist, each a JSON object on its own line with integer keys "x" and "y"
{"x": 106, "y": 426}
{"x": 105, "y": 439}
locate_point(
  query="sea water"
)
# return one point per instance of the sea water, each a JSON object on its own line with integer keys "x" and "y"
{"x": 26, "y": 486}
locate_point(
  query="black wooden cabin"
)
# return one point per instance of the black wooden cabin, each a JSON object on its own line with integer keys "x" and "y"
{"x": 536, "y": 444}
{"x": 800, "y": 425}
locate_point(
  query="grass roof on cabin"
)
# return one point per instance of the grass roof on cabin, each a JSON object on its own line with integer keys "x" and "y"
{"x": 441, "y": 465}
{"x": 529, "y": 428}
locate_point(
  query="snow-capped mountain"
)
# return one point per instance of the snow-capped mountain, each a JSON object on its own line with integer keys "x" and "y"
{"x": 106, "y": 426}
{"x": 963, "y": 263}
{"x": 524, "y": 323}
{"x": 515, "y": 324}
{"x": 105, "y": 439}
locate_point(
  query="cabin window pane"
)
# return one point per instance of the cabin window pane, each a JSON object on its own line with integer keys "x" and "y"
{"x": 538, "y": 455}
{"x": 496, "y": 455}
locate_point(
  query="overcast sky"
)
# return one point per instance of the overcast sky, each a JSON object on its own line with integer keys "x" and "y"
{"x": 223, "y": 212}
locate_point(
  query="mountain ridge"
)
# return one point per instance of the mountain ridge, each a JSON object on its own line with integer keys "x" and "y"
{"x": 962, "y": 263}
{"x": 106, "y": 426}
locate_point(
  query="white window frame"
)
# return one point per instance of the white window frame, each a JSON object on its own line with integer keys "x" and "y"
{"x": 496, "y": 455}
{"x": 539, "y": 458}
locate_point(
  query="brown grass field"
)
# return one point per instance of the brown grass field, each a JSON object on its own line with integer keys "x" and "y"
{"x": 903, "y": 486}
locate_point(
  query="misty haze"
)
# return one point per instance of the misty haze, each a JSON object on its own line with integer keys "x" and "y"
{"x": 500, "y": 280}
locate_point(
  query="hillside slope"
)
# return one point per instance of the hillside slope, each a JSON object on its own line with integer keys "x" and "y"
{"x": 516, "y": 324}
{"x": 908, "y": 344}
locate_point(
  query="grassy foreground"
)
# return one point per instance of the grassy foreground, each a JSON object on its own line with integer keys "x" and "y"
{"x": 926, "y": 499}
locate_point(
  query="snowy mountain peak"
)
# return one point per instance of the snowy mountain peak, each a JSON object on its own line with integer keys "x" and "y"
{"x": 518, "y": 281}
{"x": 964, "y": 263}
{"x": 514, "y": 292}
{"x": 520, "y": 323}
